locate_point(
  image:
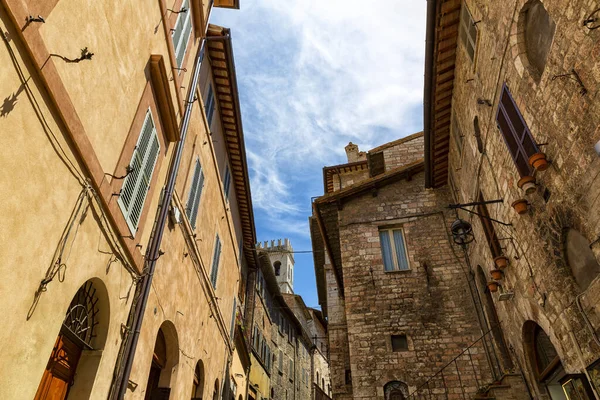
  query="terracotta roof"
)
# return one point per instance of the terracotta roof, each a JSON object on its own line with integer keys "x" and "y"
{"x": 439, "y": 85}
{"x": 220, "y": 55}
{"x": 326, "y": 208}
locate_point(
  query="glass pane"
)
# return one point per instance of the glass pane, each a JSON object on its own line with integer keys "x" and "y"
{"x": 512, "y": 113}
{"x": 386, "y": 250}
{"x": 523, "y": 164}
{"x": 400, "y": 250}
{"x": 528, "y": 144}
{"x": 507, "y": 132}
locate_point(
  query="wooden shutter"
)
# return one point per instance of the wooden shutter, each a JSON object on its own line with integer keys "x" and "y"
{"x": 215, "y": 264}
{"x": 137, "y": 183}
{"x": 209, "y": 106}
{"x": 516, "y": 134}
{"x": 488, "y": 228}
{"x": 227, "y": 182}
{"x": 233, "y": 314}
{"x": 376, "y": 164}
{"x": 181, "y": 32}
{"x": 195, "y": 194}
{"x": 468, "y": 31}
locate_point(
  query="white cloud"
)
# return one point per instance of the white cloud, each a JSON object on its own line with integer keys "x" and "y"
{"x": 314, "y": 75}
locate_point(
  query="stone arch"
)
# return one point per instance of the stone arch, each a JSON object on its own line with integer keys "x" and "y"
{"x": 395, "y": 390}
{"x": 77, "y": 352}
{"x": 541, "y": 355}
{"x": 277, "y": 266}
{"x": 535, "y": 33}
{"x": 165, "y": 358}
{"x": 198, "y": 385}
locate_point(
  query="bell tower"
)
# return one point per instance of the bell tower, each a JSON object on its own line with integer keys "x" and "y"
{"x": 281, "y": 255}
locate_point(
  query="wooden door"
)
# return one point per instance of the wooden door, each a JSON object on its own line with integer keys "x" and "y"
{"x": 60, "y": 370}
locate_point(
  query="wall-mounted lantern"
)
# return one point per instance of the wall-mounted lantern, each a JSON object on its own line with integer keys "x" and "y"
{"x": 462, "y": 232}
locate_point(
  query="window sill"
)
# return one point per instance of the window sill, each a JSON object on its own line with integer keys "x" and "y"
{"x": 398, "y": 271}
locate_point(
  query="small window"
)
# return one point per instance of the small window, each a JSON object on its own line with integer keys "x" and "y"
{"x": 181, "y": 32}
{"x": 516, "y": 134}
{"x": 348, "y": 377}
{"x": 227, "y": 182}
{"x": 393, "y": 250}
{"x": 456, "y": 132}
{"x": 193, "y": 202}
{"x": 277, "y": 266}
{"x": 215, "y": 264}
{"x": 280, "y": 360}
{"x": 291, "y": 374}
{"x": 209, "y": 106}
{"x": 399, "y": 343}
{"x": 468, "y": 31}
{"x": 137, "y": 183}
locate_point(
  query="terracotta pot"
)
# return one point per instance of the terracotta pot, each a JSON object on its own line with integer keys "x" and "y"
{"x": 527, "y": 183}
{"x": 501, "y": 262}
{"x": 493, "y": 286}
{"x": 539, "y": 161}
{"x": 497, "y": 274}
{"x": 520, "y": 206}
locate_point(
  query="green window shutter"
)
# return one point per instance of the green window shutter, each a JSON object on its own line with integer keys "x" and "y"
{"x": 181, "y": 32}
{"x": 233, "y": 313}
{"x": 227, "y": 182}
{"x": 193, "y": 202}
{"x": 215, "y": 264}
{"x": 209, "y": 106}
{"x": 137, "y": 183}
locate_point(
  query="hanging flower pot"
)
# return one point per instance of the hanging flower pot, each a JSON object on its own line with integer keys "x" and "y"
{"x": 497, "y": 274}
{"x": 527, "y": 183}
{"x": 493, "y": 286}
{"x": 501, "y": 262}
{"x": 539, "y": 161}
{"x": 520, "y": 206}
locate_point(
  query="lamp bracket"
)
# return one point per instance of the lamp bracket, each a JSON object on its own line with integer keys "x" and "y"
{"x": 478, "y": 203}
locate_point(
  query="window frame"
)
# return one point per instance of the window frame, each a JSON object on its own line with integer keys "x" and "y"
{"x": 214, "y": 272}
{"x": 209, "y": 105}
{"x": 394, "y": 256}
{"x": 127, "y": 209}
{"x": 466, "y": 18}
{"x": 227, "y": 182}
{"x": 518, "y": 138}
{"x": 191, "y": 210}
{"x": 180, "y": 48}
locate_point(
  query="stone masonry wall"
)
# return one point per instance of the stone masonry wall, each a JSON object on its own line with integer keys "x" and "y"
{"x": 565, "y": 124}
{"x": 430, "y": 303}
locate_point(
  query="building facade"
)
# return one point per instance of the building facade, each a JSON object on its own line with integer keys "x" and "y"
{"x": 513, "y": 118}
{"x": 139, "y": 222}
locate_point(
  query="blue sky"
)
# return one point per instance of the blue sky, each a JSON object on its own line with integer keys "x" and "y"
{"x": 314, "y": 75}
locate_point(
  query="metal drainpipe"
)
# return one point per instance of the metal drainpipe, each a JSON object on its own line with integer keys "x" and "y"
{"x": 152, "y": 253}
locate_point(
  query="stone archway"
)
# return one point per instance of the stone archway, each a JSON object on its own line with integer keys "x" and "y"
{"x": 395, "y": 390}
{"x": 165, "y": 359}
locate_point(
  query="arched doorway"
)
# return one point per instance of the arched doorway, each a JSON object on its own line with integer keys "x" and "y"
{"x": 216, "y": 390}
{"x": 547, "y": 369}
{"x": 198, "y": 386}
{"x": 76, "y": 354}
{"x": 164, "y": 362}
{"x": 395, "y": 390}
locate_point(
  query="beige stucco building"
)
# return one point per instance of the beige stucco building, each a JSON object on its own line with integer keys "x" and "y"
{"x": 128, "y": 217}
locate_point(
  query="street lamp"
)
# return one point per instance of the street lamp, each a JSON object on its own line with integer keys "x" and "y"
{"x": 462, "y": 232}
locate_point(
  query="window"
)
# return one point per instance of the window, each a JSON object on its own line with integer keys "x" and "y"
{"x": 181, "y": 32}
{"x": 280, "y": 360}
{"x": 227, "y": 182}
{"x": 394, "y": 257}
{"x": 488, "y": 228}
{"x": 136, "y": 184}
{"x": 536, "y": 32}
{"x": 516, "y": 134}
{"x": 233, "y": 315}
{"x": 209, "y": 105}
{"x": 277, "y": 266}
{"x": 348, "y": 377}
{"x": 399, "y": 343}
{"x": 215, "y": 264}
{"x": 395, "y": 390}
{"x": 458, "y": 136}
{"x": 468, "y": 31}
{"x": 193, "y": 202}
{"x": 291, "y": 373}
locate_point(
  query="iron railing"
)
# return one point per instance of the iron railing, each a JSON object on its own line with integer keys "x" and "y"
{"x": 471, "y": 371}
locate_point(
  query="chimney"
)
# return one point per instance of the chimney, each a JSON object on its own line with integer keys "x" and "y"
{"x": 353, "y": 153}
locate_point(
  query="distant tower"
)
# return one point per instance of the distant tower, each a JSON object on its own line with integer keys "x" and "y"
{"x": 281, "y": 254}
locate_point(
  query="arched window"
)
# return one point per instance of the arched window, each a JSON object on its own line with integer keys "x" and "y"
{"x": 395, "y": 390}
{"x": 198, "y": 386}
{"x": 323, "y": 383}
{"x": 318, "y": 377}
{"x": 581, "y": 259}
{"x": 164, "y": 358}
{"x": 541, "y": 352}
{"x": 277, "y": 265}
{"x": 536, "y": 32}
{"x": 78, "y": 348}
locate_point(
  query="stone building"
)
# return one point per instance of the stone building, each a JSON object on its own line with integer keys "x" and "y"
{"x": 509, "y": 174}
{"x": 511, "y": 118}
{"x": 128, "y": 226}
{"x": 394, "y": 292}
